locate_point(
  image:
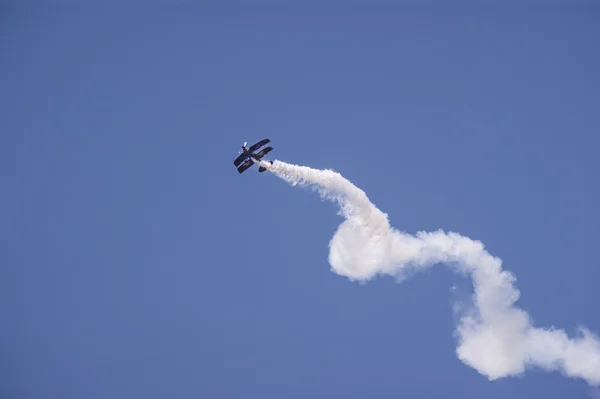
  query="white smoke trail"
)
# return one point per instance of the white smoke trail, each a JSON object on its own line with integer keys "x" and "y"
{"x": 494, "y": 336}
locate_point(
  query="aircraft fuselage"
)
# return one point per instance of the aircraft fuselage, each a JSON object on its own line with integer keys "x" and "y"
{"x": 251, "y": 155}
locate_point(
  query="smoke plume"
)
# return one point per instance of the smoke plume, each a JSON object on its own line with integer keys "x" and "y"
{"x": 494, "y": 336}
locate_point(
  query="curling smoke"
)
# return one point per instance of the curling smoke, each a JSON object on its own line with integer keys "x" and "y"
{"x": 494, "y": 336}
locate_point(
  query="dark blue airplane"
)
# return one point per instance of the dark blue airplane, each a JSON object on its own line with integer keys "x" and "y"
{"x": 250, "y": 157}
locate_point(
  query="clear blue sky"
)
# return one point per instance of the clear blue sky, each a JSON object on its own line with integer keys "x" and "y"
{"x": 136, "y": 262}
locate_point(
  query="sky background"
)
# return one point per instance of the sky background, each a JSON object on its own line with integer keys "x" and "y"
{"x": 136, "y": 262}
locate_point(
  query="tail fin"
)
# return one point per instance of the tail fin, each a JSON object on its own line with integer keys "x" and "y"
{"x": 262, "y": 168}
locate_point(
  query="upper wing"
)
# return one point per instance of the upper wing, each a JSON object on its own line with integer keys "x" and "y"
{"x": 263, "y": 152}
{"x": 245, "y": 166}
{"x": 240, "y": 158}
{"x": 258, "y": 145}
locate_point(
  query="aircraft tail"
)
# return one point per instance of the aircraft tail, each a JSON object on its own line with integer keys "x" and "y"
{"x": 262, "y": 168}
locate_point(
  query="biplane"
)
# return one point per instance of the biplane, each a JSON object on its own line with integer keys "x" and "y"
{"x": 248, "y": 156}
